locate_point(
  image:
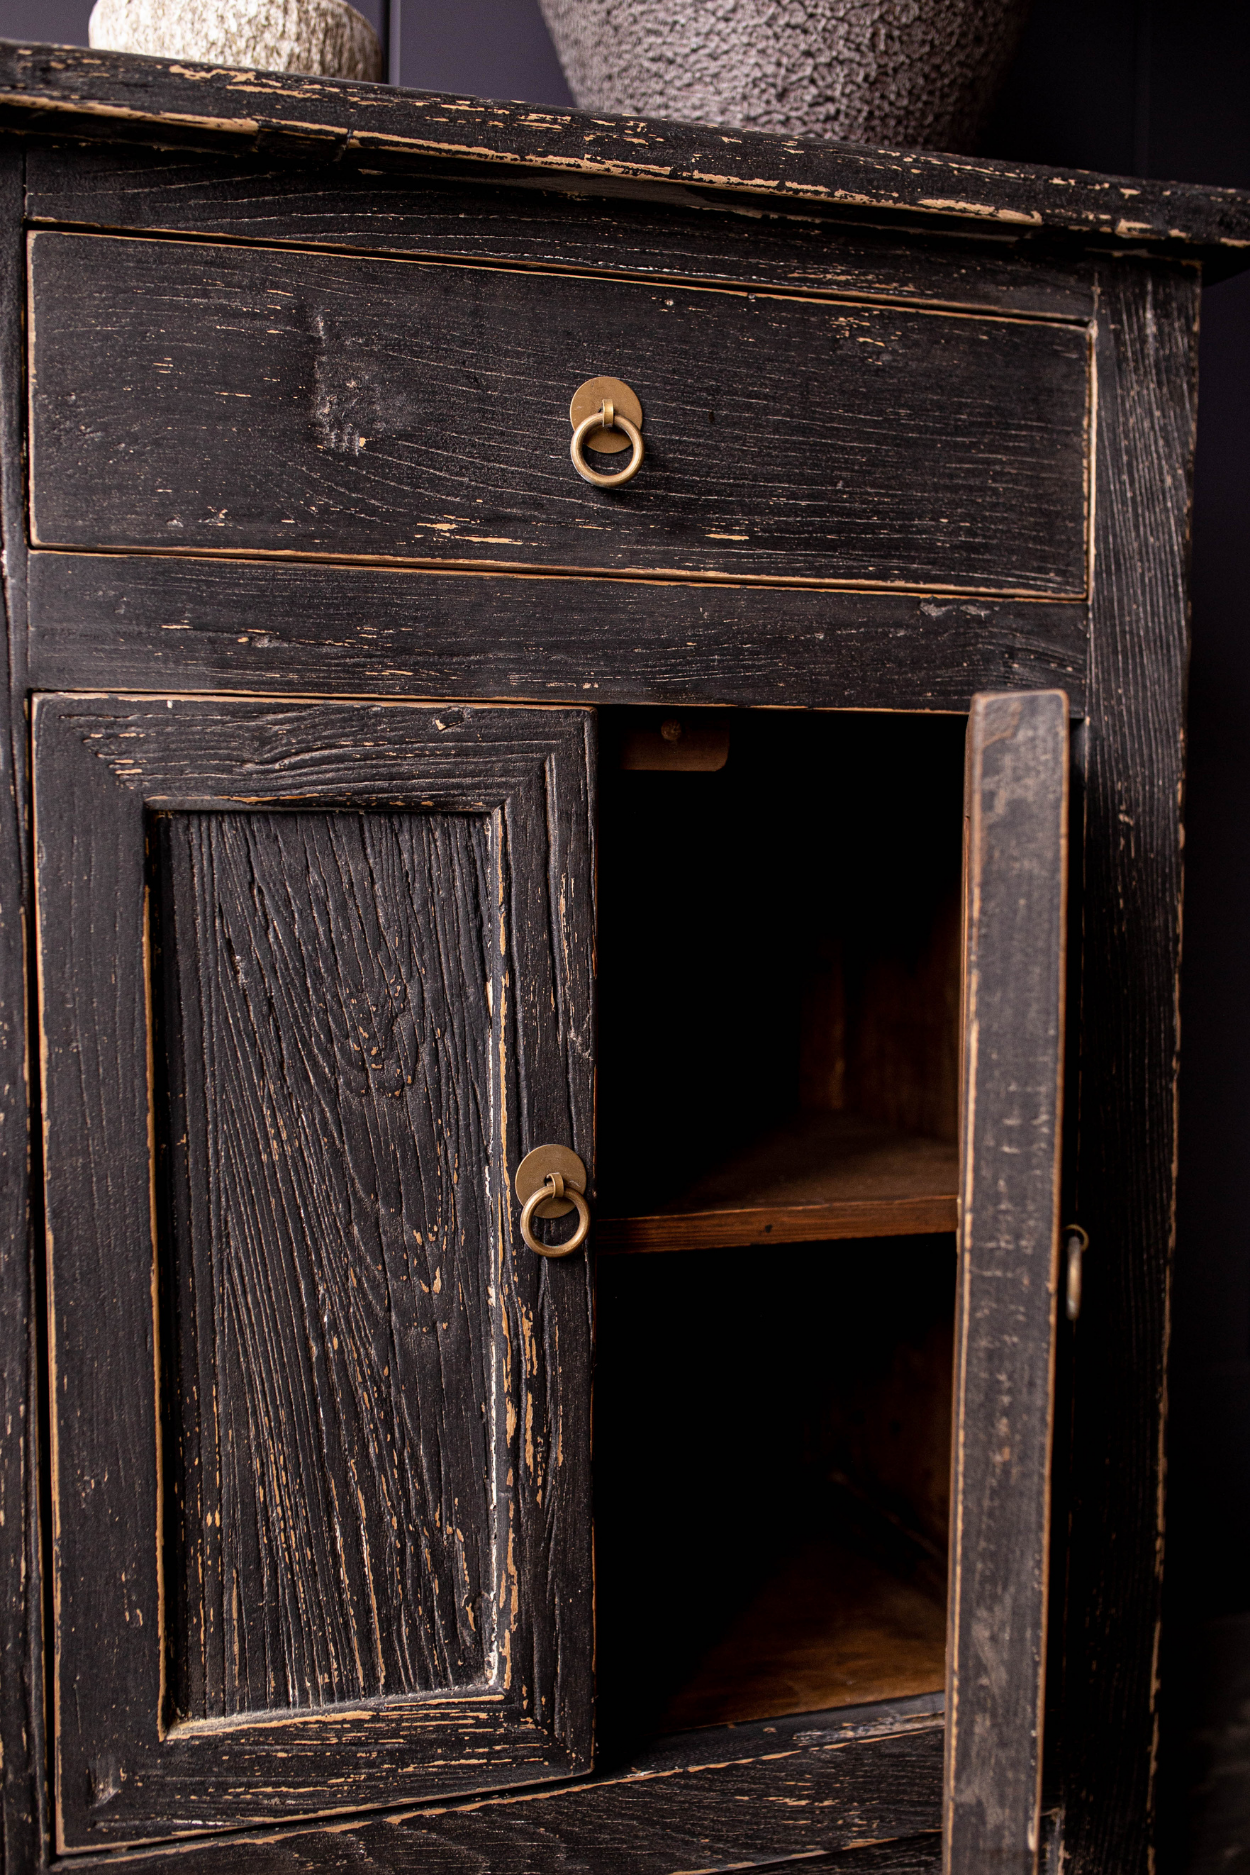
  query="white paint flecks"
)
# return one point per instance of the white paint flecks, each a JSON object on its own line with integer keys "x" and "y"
{"x": 327, "y": 37}
{"x": 902, "y": 73}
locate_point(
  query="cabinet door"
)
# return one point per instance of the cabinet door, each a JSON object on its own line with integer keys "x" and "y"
{"x": 313, "y": 978}
{"x": 1016, "y": 835}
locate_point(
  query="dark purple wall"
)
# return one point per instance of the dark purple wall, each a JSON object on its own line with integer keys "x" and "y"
{"x": 482, "y": 48}
{"x": 487, "y": 48}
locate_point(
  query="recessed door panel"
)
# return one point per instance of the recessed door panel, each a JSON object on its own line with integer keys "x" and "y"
{"x": 327, "y": 1030}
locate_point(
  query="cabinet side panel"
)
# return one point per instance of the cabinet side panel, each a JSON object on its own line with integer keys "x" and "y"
{"x": 22, "y": 1803}
{"x": 1126, "y": 1127}
{"x": 329, "y": 1049}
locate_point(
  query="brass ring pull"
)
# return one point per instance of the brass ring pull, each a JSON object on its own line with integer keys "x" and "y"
{"x": 550, "y": 1182}
{"x": 555, "y": 1187}
{"x": 607, "y": 417}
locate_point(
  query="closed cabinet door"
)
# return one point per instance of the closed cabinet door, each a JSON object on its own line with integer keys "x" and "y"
{"x": 313, "y": 978}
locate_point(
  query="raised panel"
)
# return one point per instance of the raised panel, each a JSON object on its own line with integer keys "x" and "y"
{"x": 327, "y": 1030}
{"x": 284, "y": 402}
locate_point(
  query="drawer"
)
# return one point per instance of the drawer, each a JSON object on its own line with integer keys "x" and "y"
{"x": 194, "y": 396}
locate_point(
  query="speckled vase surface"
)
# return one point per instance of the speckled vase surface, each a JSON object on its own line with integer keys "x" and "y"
{"x": 916, "y": 74}
{"x": 322, "y": 36}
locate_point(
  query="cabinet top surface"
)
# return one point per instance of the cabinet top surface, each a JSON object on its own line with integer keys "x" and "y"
{"x": 121, "y": 95}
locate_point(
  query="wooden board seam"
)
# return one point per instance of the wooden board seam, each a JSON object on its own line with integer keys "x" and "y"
{"x": 691, "y": 282}
{"x": 495, "y": 569}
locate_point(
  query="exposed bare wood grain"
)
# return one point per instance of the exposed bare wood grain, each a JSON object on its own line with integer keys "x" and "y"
{"x": 823, "y": 1175}
{"x": 298, "y": 403}
{"x": 385, "y": 928}
{"x": 832, "y": 1629}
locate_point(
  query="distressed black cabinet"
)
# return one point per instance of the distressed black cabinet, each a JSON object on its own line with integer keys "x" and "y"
{"x": 792, "y": 834}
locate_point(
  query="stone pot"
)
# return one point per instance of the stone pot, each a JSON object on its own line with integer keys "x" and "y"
{"x": 320, "y": 36}
{"x": 916, "y": 74}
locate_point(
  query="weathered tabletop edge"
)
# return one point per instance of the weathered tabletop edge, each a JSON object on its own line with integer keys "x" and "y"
{"x": 93, "y": 93}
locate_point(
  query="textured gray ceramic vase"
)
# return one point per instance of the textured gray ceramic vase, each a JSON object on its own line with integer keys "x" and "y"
{"x": 323, "y": 36}
{"x": 914, "y": 74}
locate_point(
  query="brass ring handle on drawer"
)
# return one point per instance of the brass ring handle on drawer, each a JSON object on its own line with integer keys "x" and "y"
{"x": 607, "y": 417}
{"x": 555, "y": 1187}
{"x": 550, "y": 1182}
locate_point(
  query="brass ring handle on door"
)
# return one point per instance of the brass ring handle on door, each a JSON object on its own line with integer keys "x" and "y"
{"x": 606, "y": 417}
{"x": 550, "y": 1182}
{"x": 555, "y": 1187}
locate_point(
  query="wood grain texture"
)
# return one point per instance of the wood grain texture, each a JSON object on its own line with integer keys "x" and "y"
{"x": 102, "y": 766}
{"x": 1014, "y": 963}
{"x": 671, "y": 232}
{"x": 1124, "y": 1173}
{"x": 282, "y": 402}
{"x": 759, "y": 1796}
{"x": 1014, "y": 995}
{"x": 377, "y": 1851}
{"x": 23, "y": 1794}
{"x": 913, "y": 1857}
{"x": 118, "y": 95}
{"x": 328, "y": 982}
{"x": 206, "y": 624}
{"x": 819, "y": 1177}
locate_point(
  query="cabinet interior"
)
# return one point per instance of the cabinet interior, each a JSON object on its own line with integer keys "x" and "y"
{"x": 777, "y": 1110}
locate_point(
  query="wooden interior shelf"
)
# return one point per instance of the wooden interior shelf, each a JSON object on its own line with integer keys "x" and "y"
{"x": 820, "y": 1176}
{"x": 833, "y": 1628}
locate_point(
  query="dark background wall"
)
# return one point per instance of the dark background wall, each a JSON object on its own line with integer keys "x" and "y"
{"x": 1157, "y": 88}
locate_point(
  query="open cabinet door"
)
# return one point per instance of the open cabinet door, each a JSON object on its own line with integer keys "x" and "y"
{"x": 1015, "y": 865}
{"x": 314, "y": 976}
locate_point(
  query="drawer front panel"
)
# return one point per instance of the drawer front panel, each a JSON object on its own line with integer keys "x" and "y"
{"x": 192, "y": 396}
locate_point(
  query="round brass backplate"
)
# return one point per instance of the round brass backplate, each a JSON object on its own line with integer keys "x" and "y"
{"x": 587, "y": 399}
{"x": 531, "y": 1176}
